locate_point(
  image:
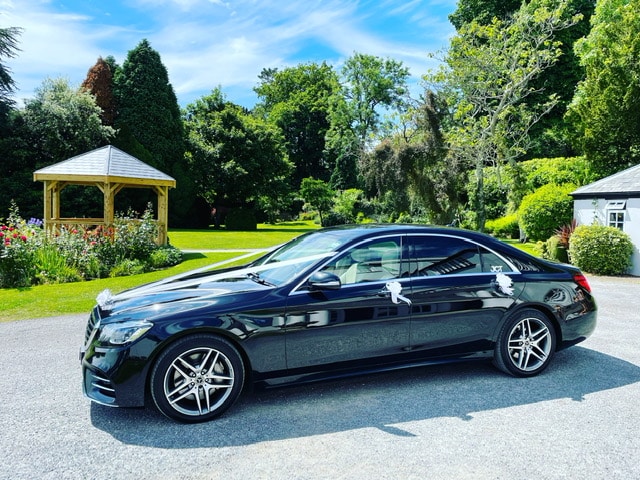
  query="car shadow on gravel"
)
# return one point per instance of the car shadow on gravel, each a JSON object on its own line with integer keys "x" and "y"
{"x": 373, "y": 401}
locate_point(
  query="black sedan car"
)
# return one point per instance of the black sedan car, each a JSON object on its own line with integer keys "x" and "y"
{"x": 332, "y": 303}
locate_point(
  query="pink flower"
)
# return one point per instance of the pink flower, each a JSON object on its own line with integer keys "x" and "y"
{"x": 23, "y": 238}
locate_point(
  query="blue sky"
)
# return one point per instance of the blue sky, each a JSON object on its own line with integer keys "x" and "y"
{"x": 209, "y": 43}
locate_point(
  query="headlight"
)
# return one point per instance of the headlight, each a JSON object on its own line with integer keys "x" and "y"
{"x": 123, "y": 333}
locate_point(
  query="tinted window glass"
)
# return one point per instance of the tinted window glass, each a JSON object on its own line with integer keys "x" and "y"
{"x": 492, "y": 262}
{"x": 438, "y": 255}
{"x": 376, "y": 260}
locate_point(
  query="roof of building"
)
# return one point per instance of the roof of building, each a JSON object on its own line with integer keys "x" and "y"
{"x": 103, "y": 164}
{"x": 625, "y": 183}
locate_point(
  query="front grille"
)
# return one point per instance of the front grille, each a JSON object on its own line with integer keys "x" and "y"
{"x": 92, "y": 326}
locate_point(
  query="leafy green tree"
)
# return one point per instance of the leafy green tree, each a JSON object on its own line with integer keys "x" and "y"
{"x": 550, "y": 137}
{"x": 370, "y": 85}
{"x": 317, "y": 195}
{"x": 482, "y": 11}
{"x": 414, "y": 170}
{"x": 235, "y": 157}
{"x": 58, "y": 123}
{"x": 296, "y": 99}
{"x": 61, "y": 122}
{"x": 489, "y": 73}
{"x": 606, "y": 106}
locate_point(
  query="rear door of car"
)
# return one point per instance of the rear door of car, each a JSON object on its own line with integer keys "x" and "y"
{"x": 357, "y": 324}
{"x": 459, "y": 292}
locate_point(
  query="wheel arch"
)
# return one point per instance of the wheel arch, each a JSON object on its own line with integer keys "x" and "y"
{"x": 543, "y": 309}
{"x": 214, "y": 332}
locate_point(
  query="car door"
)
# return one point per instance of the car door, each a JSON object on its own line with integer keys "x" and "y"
{"x": 459, "y": 292}
{"x": 359, "y": 322}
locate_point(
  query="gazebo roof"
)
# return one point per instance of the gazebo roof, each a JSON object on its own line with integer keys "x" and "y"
{"x": 106, "y": 164}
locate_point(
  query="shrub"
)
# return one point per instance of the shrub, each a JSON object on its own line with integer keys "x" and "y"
{"x": 167, "y": 256}
{"x": 128, "y": 267}
{"x": 555, "y": 250}
{"x": 335, "y": 218}
{"x": 601, "y": 250}
{"x": 544, "y": 210}
{"x": 241, "y": 219}
{"x": 504, "y": 227}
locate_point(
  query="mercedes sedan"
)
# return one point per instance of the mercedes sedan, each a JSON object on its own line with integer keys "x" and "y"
{"x": 332, "y": 303}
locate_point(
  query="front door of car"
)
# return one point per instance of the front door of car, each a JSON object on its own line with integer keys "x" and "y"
{"x": 361, "y": 321}
{"x": 460, "y": 292}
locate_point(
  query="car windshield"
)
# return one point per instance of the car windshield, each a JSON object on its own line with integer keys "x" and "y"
{"x": 292, "y": 258}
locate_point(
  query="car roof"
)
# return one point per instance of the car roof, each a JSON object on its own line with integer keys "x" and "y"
{"x": 358, "y": 232}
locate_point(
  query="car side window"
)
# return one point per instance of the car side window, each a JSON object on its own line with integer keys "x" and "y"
{"x": 442, "y": 255}
{"x": 376, "y": 260}
{"x": 492, "y": 263}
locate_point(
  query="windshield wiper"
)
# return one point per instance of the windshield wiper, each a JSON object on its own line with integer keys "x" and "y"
{"x": 256, "y": 278}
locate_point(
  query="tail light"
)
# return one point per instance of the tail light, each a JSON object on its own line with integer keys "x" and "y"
{"x": 581, "y": 280}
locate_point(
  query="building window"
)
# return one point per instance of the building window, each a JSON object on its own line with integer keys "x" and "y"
{"x": 615, "y": 214}
{"x": 616, "y": 219}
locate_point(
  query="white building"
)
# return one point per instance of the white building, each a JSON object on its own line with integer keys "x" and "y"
{"x": 613, "y": 201}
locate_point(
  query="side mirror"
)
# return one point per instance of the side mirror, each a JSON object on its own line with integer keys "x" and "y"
{"x": 324, "y": 281}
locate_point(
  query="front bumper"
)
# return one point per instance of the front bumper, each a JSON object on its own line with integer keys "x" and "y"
{"x": 114, "y": 376}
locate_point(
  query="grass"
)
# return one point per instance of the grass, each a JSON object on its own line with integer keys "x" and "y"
{"x": 265, "y": 236}
{"x": 72, "y": 298}
{"x": 528, "y": 247}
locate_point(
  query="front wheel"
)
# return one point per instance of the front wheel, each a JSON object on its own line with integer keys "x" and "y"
{"x": 197, "y": 378}
{"x": 526, "y": 344}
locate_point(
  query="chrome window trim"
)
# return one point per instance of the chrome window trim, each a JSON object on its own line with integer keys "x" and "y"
{"x": 514, "y": 270}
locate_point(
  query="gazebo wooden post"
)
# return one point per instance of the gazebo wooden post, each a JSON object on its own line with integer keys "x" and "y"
{"x": 109, "y": 204}
{"x": 163, "y": 214}
{"x": 52, "y": 205}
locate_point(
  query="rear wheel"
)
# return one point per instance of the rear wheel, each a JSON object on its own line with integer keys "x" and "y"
{"x": 526, "y": 344}
{"x": 197, "y": 378}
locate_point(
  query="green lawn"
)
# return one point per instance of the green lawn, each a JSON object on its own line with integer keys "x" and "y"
{"x": 72, "y": 298}
{"x": 265, "y": 236}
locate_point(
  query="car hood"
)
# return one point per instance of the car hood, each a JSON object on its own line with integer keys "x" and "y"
{"x": 186, "y": 292}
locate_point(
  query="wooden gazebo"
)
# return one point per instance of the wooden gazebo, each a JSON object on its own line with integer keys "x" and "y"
{"x": 111, "y": 170}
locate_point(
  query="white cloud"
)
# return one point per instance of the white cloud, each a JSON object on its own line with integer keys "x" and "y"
{"x": 210, "y": 43}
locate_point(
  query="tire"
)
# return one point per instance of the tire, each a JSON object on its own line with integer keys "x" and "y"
{"x": 197, "y": 378}
{"x": 526, "y": 344}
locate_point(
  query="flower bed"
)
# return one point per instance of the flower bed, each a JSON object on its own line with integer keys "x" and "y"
{"x": 30, "y": 256}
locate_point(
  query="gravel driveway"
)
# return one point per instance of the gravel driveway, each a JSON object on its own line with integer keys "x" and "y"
{"x": 580, "y": 419}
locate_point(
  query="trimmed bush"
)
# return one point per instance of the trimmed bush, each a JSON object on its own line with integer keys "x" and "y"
{"x": 546, "y": 209}
{"x": 601, "y": 250}
{"x": 554, "y": 250}
{"x": 504, "y": 227}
